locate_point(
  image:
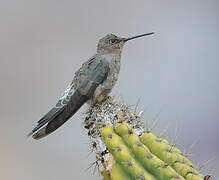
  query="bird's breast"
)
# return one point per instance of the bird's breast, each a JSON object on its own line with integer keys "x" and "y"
{"x": 105, "y": 88}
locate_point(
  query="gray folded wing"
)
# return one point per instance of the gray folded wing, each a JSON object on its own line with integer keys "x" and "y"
{"x": 86, "y": 80}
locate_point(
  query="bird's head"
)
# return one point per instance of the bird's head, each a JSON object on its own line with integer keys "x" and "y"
{"x": 114, "y": 44}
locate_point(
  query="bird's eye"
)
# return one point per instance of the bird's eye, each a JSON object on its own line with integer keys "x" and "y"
{"x": 113, "y": 41}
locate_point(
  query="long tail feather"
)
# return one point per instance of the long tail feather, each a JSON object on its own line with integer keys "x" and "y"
{"x": 53, "y": 121}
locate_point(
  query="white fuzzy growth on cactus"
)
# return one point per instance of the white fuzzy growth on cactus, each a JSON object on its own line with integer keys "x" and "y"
{"x": 109, "y": 113}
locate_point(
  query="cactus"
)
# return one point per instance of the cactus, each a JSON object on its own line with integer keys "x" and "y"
{"x": 126, "y": 151}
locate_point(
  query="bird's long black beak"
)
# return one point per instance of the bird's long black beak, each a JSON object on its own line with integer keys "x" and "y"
{"x": 127, "y": 39}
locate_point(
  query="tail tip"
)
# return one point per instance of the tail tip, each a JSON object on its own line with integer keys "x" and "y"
{"x": 29, "y": 134}
{"x": 39, "y": 134}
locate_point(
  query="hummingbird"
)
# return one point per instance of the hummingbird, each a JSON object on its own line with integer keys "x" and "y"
{"x": 92, "y": 83}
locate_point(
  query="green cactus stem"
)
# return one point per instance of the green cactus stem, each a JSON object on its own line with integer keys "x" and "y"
{"x": 126, "y": 151}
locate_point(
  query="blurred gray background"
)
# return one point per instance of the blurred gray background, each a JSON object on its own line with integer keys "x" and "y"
{"x": 174, "y": 73}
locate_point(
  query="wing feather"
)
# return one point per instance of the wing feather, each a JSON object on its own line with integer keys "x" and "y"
{"x": 76, "y": 94}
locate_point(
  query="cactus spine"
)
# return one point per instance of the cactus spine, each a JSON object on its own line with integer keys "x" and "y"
{"x": 126, "y": 151}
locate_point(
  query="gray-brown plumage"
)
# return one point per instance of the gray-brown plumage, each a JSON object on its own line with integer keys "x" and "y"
{"x": 92, "y": 83}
